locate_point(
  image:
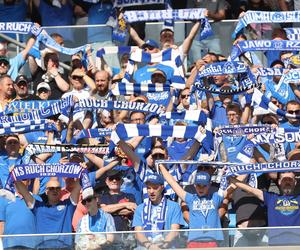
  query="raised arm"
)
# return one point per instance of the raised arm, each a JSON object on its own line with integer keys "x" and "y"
{"x": 187, "y": 43}
{"x": 172, "y": 182}
{"x": 22, "y": 189}
{"x": 257, "y": 192}
{"x": 131, "y": 154}
{"x": 135, "y": 36}
{"x": 75, "y": 192}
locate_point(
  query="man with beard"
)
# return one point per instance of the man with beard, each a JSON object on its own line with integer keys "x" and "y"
{"x": 283, "y": 210}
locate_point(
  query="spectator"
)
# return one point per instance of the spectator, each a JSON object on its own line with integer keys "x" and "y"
{"x": 6, "y": 90}
{"x": 281, "y": 208}
{"x": 120, "y": 205}
{"x": 21, "y": 87}
{"x": 52, "y": 215}
{"x": 95, "y": 221}
{"x": 156, "y": 213}
{"x": 43, "y": 90}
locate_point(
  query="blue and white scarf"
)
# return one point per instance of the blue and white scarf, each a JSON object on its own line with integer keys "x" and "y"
{"x": 61, "y": 107}
{"x": 266, "y": 17}
{"x": 19, "y": 27}
{"x": 223, "y": 68}
{"x": 27, "y": 106}
{"x": 240, "y": 130}
{"x": 189, "y": 115}
{"x": 148, "y": 213}
{"x": 265, "y": 103}
{"x": 92, "y": 104}
{"x": 27, "y": 128}
{"x": 164, "y": 57}
{"x": 292, "y": 76}
{"x": 93, "y": 133}
{"x": 293, "y": 33}
{"x": 286, "y": 166}
{"x": 168, "y": 14}
{"x": 69, "y": 170}
{"x": 264, "y": 45}
{"x": 128, "y": 88}
{"x": 131, "y": 130}
{"x": 263, "y": 72}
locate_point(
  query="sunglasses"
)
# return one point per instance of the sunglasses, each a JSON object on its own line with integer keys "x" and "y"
{"x": 87, "y": 200}
{"x": 268, "y": 122}
{"x": 117, "y": 178}
{"x": 54, "y": 188}
{"x": 5, "y": 63}
{"x": 77, "y": 78}
{"x": 185, "y": 96}
{"x": 41, "y": 90}
{"x": 297, "y": 112}
{"x": 158, "y": 156}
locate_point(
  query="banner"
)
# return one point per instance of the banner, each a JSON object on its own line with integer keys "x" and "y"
{"x": 27, "y": 106}
{"x": 264, "y": 45}
{"x": 83, "y": 104}
{"x": 266, "y": 17}
{"x": 19, "y": 27}
{"x": 223, "y": 68}
{"x": 240, "y": 130}
{"x": 286, "y": 166}
{"x": 69, "y": 170}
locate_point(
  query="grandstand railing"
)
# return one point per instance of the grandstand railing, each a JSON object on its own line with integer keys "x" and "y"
{"x": 249, "y": 237}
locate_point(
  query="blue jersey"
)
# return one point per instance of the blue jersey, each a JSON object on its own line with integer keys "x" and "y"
{"x": 283, "y": 211}
{"x": 54, "y": 219}
{"x": 233, "y": 146}
{"x": 204, "y": 214}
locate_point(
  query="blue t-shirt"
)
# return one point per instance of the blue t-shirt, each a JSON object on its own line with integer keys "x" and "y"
{"x": 16, "y": 64}
{"x": 218, "y": 115}
{"x": 143, "y": 76}
{"x": 289, "y": 146}
{"x": 5, "y": 164}
{"x": 173, "y": 216}
{"x": 233, "y": 146}
{"x": 18, "y": 219}
{"x": 283, "y": 211}
{"x": 204, "y": 214}
{"x": 54, "y": 219}
{"x": 178, "y": 149}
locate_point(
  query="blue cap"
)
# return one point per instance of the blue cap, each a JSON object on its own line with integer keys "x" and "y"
{"x": 155, "y": 179}
{"x": 202, "y": 178}
{"x": 151, "y": 43}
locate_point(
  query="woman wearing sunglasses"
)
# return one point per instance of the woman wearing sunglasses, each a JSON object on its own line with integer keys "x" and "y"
{"x": 95, "y": 222}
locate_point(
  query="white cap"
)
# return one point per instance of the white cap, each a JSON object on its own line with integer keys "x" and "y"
{"x": 43, "y": 85}
{"x": 3, "y": 46}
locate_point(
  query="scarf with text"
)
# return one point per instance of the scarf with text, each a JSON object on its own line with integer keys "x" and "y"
{"x": 240, "y": 130}
{"x": 69, "y": 170}
{"x": 171, "y": 14}
{"x": 266, "y": 17}
{"x": 60, "y": 107}
{"x": 27, "y": 106}
{"x": 20, "y": 28}
{"x": 264, "y": 45}
{"x": 223, "y": 68}
{"x": 286, "y": 166}
{"x": 91, "y": 104}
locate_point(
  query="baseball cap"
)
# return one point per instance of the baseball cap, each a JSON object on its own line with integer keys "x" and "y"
{"x": 4, "y": 58}
{"x": 155, "y": 179}
{"x": 150, "y": 43}
{"x": 21, "y": 78}
{"x": 43, "y": 85}
{"x": 202, "y": 178}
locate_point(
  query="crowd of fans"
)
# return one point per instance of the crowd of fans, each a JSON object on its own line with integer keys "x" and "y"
{"x": 129, "y": 191}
